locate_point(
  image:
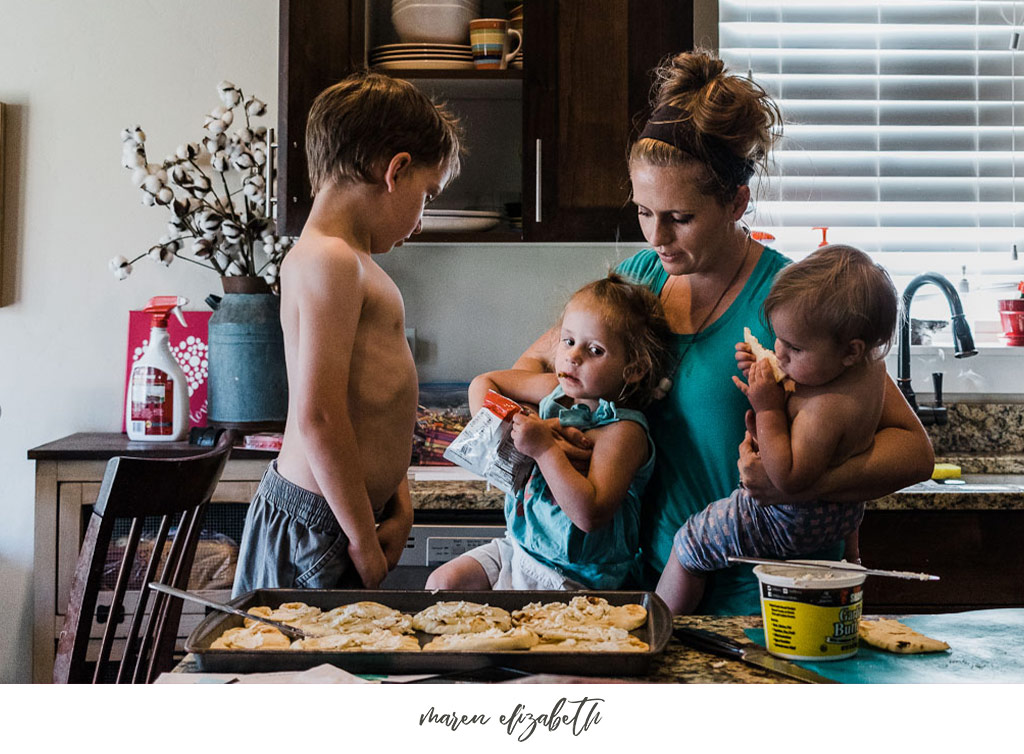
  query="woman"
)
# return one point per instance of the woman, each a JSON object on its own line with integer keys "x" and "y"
{"x": 690, "y": 171}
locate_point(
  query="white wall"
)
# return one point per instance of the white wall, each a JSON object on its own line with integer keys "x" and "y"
{"x": 74, "y": 73}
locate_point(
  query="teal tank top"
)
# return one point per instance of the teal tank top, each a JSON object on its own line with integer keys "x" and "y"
{"x": 600, "y": 559}
{"x": 697, "y": 430}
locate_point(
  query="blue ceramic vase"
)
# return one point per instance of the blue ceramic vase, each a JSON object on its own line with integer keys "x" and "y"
{"x": 248, "y": 384}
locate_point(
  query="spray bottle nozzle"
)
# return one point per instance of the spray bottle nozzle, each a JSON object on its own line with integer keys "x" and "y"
{"x": 161, "y": 307}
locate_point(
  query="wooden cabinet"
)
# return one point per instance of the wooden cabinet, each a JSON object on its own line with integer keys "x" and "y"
{"x": 976, "y": 553}
{"x": 552, "y": 136}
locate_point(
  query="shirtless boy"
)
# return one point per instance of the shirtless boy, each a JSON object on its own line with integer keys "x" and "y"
{"x": 334, "y": 508}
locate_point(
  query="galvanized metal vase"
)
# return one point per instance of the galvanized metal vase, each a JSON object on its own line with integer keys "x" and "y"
{"x": 248, "y": 384}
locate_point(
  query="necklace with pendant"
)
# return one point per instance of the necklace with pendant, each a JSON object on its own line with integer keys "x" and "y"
{"x": 665, "y": 386}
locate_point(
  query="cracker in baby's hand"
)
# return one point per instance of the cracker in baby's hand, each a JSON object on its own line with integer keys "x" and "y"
{"x": 760, "y": 352}
{"x": 893, "y": 636}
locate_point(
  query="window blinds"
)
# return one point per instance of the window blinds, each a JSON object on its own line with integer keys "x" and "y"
{"x": 901, "y": 122}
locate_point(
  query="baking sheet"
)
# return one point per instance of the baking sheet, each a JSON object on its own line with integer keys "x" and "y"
{"x": 986, "y": 646}
{"x": 655, "y": 632}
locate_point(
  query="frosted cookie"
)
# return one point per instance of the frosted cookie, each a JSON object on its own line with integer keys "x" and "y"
{"x": 580, "y": 611}
{"x": 363, "y": 617}
{"x": 369, "y": 641}
{"x": 491, "y": 640}
{"x": 628, "y": 643}
{"x": 461, "y": 618}
{"x": 256, "y": 636}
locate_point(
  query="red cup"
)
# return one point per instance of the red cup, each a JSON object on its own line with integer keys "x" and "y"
{"x": 1011, "y": 313}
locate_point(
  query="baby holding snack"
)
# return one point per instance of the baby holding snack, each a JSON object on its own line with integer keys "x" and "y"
{"x": 833, "y": 314}
{"x": 571, "y": 529}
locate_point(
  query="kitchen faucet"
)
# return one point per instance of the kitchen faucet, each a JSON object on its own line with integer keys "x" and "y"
{"x": 963, "y": 344}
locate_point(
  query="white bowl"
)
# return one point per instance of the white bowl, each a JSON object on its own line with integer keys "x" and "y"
{"x": 471, "y": 5}
{"x": 474, "y": 4}
{"x": 419, "y": 22}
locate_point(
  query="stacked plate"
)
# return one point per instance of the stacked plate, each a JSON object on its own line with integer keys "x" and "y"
{"x": 459, "y": 220}
{"x": 422, "y": 55}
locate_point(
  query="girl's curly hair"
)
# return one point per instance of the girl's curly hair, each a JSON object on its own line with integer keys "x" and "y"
{"x": 635, "y": 312}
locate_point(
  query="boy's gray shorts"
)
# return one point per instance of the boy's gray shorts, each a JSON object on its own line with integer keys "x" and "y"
{"x": 291, "y": 540}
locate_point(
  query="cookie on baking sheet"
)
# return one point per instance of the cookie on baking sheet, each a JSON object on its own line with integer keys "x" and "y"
{"x": 582, "y": 610}
{"x": 491, "y": 640}
{"x": 461, "y": 618}
{"x": 627, "y": 643}
{"x": 292, "y": 613}
{"x": 255, "y": 636}
{"x": 363, "y": 617}
{"x": 893, "y": 636}
{"x": 377, "y": 640}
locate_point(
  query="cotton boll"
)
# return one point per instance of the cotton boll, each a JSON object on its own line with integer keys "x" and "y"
{"x": 202, "y": 248}
{"x": 242, "y": 161}
{"x": 232, "y": 231}
{"x": 164, "y": 195}
{"x": 139, "y": 176}
{"x": 219, "y": 161}
{"x": 133, "y": 159}
{"x": 148, "y": 199}
{"x": 229, "y": 93}
{"x": 120, "y": 266}
{"x": 254, "y": 107}
{"x": 152, "y": 184}
{"x": 235, "y": 269}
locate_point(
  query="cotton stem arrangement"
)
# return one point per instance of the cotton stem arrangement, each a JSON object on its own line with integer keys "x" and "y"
{"x": 215, "y": 191}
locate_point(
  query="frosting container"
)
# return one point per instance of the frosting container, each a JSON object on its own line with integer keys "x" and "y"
{"x": 810, "y": 613}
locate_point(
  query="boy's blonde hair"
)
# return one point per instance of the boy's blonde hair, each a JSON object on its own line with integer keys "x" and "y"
{"x": 636, "y": 313}
{"x": 841, "y": 291}
{"x": 357, "y": 125}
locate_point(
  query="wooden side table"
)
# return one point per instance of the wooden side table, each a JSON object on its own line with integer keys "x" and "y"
{"x": 68, "y": 476}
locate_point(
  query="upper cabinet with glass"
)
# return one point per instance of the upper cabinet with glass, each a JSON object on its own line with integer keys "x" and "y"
{"x": 546, "y": 137}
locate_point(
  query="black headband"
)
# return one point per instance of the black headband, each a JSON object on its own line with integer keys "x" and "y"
{"x": 671, "y": 125}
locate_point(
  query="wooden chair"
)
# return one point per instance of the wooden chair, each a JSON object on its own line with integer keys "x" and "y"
{"x": 134, "y": 488}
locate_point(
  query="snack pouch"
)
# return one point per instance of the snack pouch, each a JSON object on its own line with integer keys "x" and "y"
{"x": 485, "y": 446}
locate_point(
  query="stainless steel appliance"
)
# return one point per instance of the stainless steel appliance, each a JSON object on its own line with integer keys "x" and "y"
{"x": 440, "y": 536}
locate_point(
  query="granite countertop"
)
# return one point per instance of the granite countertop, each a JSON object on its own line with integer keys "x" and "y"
{"x": 479, "y": 496}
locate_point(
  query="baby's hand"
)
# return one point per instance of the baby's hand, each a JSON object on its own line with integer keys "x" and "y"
{"x": 744, "y": 358}
{"x": 764, "y": 393}
{"x": 531, "y": 435}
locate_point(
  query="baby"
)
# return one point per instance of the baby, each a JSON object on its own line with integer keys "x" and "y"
{"x": 833, "y": 314}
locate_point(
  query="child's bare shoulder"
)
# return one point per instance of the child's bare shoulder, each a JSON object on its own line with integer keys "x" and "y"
{"x": 317, "y": 259}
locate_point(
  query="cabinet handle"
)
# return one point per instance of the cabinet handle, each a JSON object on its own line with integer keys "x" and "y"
{"x": 270, "y": 203}
{"x": 536, "y": 191}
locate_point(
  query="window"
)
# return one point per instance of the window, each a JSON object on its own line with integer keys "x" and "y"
{"x": 901, "y": 124}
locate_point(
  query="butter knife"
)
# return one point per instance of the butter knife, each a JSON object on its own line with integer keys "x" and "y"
{"x": 750, "y": 653}
{"x": 852, "y": 567}
{"x": 284, "y": 628}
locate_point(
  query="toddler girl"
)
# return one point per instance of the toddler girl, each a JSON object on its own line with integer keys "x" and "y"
{"x": 833, "y": 314}
{"x": 567, "y": 528}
